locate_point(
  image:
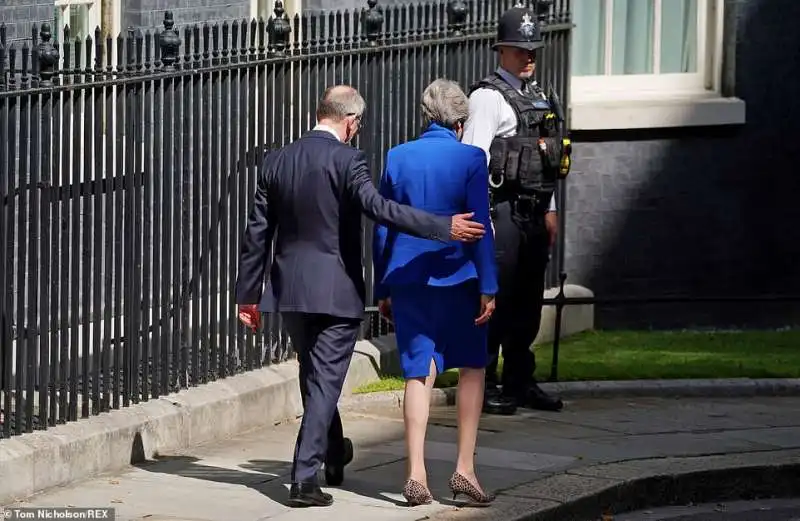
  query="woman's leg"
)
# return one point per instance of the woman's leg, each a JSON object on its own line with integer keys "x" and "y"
{"x": 469, "y": 402}
{"x": 416, "y": 407}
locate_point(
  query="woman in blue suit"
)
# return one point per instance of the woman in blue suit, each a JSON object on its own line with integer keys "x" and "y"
{"x": 440, "y": 296}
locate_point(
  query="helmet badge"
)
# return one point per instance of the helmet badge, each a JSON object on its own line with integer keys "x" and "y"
{"x": 527, "y": 29}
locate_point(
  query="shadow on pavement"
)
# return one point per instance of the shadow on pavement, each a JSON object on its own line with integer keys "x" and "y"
{"x": 268, "y": 477}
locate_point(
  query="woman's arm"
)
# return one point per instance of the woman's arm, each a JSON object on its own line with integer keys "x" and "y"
{"x": 478, "y": 202}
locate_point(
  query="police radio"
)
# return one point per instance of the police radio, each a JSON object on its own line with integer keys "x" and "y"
{"x": 561, "y": 121}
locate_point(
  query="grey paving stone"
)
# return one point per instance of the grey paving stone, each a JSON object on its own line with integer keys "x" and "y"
{"x": 524, "y": 421}
{"x": 635, "y": 469}
{"x": 784, "y": 437}
{"x": 485, "y": 456}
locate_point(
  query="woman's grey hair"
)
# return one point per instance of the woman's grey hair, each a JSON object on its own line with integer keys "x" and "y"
{"x": 340, "y": 101}
{"x": 444, "y": 103}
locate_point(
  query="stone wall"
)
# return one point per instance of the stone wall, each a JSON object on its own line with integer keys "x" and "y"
{"x": 150, "y": 13}
{"x": 20, "y": 15}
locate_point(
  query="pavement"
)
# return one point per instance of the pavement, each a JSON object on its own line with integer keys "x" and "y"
{"x": 598, "y": 456}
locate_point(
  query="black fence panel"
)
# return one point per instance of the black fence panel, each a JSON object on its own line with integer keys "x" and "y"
{"x": 127, "y": 169}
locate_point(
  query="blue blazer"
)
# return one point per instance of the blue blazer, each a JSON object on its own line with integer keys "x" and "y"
{"x": 443, "y": 176}
{"x": 310, "y": 197}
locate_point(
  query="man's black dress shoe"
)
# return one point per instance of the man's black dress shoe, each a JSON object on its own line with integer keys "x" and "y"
{"x": 336, "y": 462}
{"x": 308, "y": 495}
{"x": 494, "y": 402}
{"x": 536, "y": 398}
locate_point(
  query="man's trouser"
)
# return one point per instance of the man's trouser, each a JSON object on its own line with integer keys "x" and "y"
{"x": 522, "y": 253}
{"x": 324, "y": 346}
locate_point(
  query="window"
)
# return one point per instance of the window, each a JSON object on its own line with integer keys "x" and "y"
{"x": 82, "y": 17}
{"x": 266, "y": 8}
{"x": 645, "y": 50}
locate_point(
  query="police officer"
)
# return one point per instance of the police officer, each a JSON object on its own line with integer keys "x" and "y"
{"x": 516, "y": 124}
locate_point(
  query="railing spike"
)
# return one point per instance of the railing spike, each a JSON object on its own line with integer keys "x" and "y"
{"x": 48, "y": 56}
{"x": 169, "y": 42}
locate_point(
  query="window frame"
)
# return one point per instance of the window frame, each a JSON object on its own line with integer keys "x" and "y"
{"x": 625, "y": 102}
{"x": 292, "y": 7}
{"x": 108, "y": 17}
{"x": 95, "y": 14}
{"x": 643, "y": 86}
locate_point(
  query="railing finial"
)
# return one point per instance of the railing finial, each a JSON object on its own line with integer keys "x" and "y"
{"x": 543, "y": 10}
{"x": 373, "y": 22}
{"x": 279, "y": 30}
{"x": 169, "y": 42}
{"x": 48, "y": 56}
{"x": 457, "y": 12}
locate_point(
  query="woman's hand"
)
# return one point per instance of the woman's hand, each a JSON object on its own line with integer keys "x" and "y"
{"x": 385, "y": 308}
{"x": 487, "y": 308}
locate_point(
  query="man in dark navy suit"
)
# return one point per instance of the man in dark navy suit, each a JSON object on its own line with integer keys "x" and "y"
{"x": 313, "y": 193}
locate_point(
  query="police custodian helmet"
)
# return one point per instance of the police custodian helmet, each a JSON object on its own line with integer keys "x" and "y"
{"x": 519, "y": 27}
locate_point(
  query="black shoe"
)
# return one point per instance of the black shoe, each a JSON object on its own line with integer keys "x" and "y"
{"x": 308, "y": 495}
{"x": 494, "y": 402}
{"x": 536, "y": 398}
{"x": 336, "y": 462}
{"x": 491, "y": 388}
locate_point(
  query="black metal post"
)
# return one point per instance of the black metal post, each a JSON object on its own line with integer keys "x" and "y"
{"x": 560, "y": 303}
{"x": 48, "y": 59}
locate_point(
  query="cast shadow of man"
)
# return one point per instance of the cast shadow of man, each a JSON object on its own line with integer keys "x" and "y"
{"x": 268, "y": 477}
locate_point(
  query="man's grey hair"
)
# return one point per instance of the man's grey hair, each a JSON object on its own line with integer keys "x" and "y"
{"x": 444, "y": 103}
{"x": 340, "y": 101}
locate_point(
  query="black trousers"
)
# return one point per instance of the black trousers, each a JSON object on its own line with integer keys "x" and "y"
{"x": 324, "y": 346}
{"x": 522, "y": 249}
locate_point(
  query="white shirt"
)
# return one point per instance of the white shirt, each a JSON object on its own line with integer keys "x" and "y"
{"x": 491, "y": 116}
{"x": 326, "y": 128}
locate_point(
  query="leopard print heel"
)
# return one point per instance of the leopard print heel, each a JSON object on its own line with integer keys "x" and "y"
{"x": 461, "y": 485}
{"x": 416, "y": 493}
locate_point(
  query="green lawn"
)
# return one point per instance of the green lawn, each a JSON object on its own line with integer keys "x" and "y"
{"x": 633, "y": 355}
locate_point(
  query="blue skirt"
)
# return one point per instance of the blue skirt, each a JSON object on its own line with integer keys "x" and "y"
{"x": 438, "y": 322}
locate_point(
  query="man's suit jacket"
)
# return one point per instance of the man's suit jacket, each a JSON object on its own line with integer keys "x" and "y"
{"x": 312, "y": 193}
{"x": 438, "y": 174}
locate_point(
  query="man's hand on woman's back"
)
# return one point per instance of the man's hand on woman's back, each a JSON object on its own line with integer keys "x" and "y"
{"x": 463, "y": 229}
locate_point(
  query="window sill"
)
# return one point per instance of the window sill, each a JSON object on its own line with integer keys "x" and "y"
{"x": 677, "y": 111}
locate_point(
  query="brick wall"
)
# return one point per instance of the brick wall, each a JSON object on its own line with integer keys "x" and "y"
{"x": 331, "y": 5}
{"x": 19, "y": 16}
{"x": 149, "y": 14}
{"x": 700, "y": 211}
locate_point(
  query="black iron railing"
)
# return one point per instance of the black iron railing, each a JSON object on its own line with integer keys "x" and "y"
{"x": 127, "y": 167}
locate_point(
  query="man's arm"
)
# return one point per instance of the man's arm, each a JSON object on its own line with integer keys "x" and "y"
{"x": 379, "y": 243}
{"x": 404, "y": 218}
{"x": 256, "y": 243}
{"x": 483, "y": 122}
{"x": 551, "y": 220}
